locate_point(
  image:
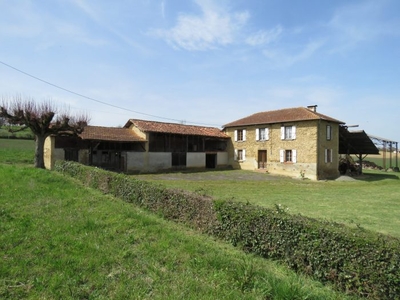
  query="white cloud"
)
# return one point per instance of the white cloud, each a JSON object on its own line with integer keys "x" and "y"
{"x": 284, "y": 60}
{"x": 101, "y": 21}
{"x": 363, "y": 22}
{"x": 263, "y": 37}
{"x": 214, "y": 27}
{"x": 20, "y": 20}
{"x": 163, "y": 9}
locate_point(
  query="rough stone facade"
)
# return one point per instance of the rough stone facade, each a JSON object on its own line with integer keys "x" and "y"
{"x": 296, "y": 142}
{"x": 309, "y": 147}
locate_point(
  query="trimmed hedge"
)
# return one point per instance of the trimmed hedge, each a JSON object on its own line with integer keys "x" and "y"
{"x": 356, "y": 261}
{"x": 188, "y": 208}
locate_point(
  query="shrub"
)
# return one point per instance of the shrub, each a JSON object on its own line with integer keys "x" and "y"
{"x": 177, "y": 205}
{"x": 356, "y": 261}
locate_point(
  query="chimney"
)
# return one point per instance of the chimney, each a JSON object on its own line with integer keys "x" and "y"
{"x": 312, "y": 108}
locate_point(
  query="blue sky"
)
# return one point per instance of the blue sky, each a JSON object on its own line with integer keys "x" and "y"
{"x": 206, "y": 62}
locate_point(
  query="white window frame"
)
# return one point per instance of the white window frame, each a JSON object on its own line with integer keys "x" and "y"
{"x": 243, "y": 135}
{"x": 282, "y": 156}
{"x": 328, "y": 156}
{"x": 283, "y": 132}
{"x": 243, "y": 158}
{"x": 328, "y": 132}
{"x": 266, "y": 134}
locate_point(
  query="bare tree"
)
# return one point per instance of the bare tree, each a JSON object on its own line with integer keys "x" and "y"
{"x": 44, "y": 119}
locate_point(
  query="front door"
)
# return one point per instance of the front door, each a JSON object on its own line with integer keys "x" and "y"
{"x": 262, "y": 159}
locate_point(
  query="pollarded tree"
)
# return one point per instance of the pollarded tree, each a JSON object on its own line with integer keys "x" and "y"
{"x": 44, "y": 119}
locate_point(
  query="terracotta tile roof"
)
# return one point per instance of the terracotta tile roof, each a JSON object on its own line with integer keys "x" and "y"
{"x": 280, "y": 116}
{"x": 113, "y": 134}
{"x": 152, "y": 126}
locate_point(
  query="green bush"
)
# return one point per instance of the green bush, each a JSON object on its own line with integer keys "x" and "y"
{"x": 190, "y": 209}
{"x": 356, "y": 261}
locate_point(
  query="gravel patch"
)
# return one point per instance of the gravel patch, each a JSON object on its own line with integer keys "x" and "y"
{"x": 345, "y": 178}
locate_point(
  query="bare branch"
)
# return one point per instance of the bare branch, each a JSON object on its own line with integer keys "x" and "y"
{"x": 44, "y": 119}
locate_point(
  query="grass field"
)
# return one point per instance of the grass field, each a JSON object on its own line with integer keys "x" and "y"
{"x": 371, "y": 201}
{"x": 5, "y": 132}
{"x": 17, "y": 151}
{"x": 378, "y": 159}
{"x": 59, "y": 240}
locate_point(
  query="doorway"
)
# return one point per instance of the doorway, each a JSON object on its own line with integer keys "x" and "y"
{"x": 262, "y": 159}
{"x": 211, "y": 161}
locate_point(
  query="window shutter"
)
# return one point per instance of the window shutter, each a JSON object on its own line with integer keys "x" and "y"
{"x": 267, "y": 133}
{"x": 235, "y": 135}
{"x": 244, "y": 134}
{"x": 282, "y": 155}
{"x": 244, "y": 154}
{"x": 294, "y": 153}
{"x": 282, "y": 132}
{"x": 257, "y": 134}
{"x": 236, "y": 155}
{"x": 328, "y": 132}
{"x": 294, "y": 132}
{"x": 331, "y": 155}
{"x": 326, "y": 155}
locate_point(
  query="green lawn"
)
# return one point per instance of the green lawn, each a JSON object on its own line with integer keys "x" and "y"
{"x": 372, "y": 201}
{"x": 378, "y": 160}
{"x": 17, "y": 151}
{"x": 59, "y": 240}
{"x": 5, "y": 132}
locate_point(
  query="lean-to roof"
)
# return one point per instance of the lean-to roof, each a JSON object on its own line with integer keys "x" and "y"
{"x": 112, "y": 134}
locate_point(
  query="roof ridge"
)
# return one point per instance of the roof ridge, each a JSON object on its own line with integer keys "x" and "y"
{"x": 292, "y": 114}
{"x": 171, "y": 123}
{"x": 112, "y": 127}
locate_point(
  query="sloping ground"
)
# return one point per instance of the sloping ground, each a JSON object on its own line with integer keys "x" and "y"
{"x": 350, "y": 258}
{"x": 59, "y": 240}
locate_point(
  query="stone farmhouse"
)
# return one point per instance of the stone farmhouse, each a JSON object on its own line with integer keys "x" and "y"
{"x": 296, "y": 142}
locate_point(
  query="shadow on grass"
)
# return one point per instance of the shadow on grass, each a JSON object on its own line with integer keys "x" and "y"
{"x": 370, "y": 177}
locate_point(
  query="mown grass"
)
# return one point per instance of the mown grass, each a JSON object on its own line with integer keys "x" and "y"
{"x": 62, "y": 241}
{"x": 13, "y": 132}
{"x": 371, "y": 201}
{"x": 17, "y": 151}
{"x": 378, "y": 160}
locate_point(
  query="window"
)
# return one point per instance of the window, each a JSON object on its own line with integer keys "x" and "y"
{"x": 289, "y": 156}
{"x": 240, "y": 135}
{"x": 328, "y": 156}
{"x": 71, "y": 154}
{"x": 240, "y": 154}
{"x": 262, "y": 134}
{"x": 288, "y": 132}
{"x": 328, "y": 132}
{"x": 178, "y": 159}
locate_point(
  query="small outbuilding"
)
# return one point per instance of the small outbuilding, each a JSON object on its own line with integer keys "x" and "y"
{"x": 142, "y": 146}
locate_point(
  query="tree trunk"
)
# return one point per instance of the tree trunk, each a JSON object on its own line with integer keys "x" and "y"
{"x": 39, "y": 151}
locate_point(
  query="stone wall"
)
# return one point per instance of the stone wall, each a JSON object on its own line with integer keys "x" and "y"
{"x": 308, "y": 146}
{"x": 51, "y": 154}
